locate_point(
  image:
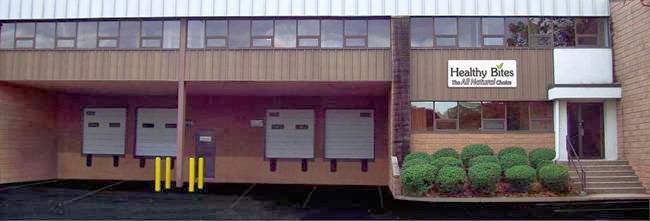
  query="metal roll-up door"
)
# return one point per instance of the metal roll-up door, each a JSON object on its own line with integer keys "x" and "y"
{"x": 349, "y": 134}
{"x": 156, "y": 132}
{"x": 104, "y": 131}
{"x": 289, "y": 133}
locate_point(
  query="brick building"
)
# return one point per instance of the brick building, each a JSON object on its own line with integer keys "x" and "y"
{"x": 317, "y": 92}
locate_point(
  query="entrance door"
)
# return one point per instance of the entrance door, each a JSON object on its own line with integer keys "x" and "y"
{"x": 585, "y": 129}
{"x": 206, "y": 147}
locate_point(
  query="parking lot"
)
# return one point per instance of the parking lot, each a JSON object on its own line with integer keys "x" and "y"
{"x": 135, "y": 200}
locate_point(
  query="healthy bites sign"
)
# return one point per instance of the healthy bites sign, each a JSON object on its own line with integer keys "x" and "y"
{"x": 482, "y": 73}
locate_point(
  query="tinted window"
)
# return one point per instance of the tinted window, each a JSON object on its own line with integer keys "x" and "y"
{"x": 285, "y": 33}
{"x": 446, "y": 115}
{"x": 517, "y": 32}
{"x": 422, "y": 116}
{"x": 379, "y": 33}
{"x": 216, "y": 28}
{"x": 7, "y": 32}
{"x": 109, "y": 29}
{"x": 518, "y": 116}
{"x": 262, "y": 28}
{"x": 445, "y": 26}
{"x": 151, "y": 28}
{"x": 45, "y": 35}
{"x": 470, "y": 115}
{"x": 332, "y": 33}
{"x": 564, "y": 32}
{"x": 422, "y": 32}
{"x": 87, "y": 36}
{"x": 469, "y": 34}
{"x": 25, "y": 30}
{"x": 239, "y": 33}
{"x": 66, "y": 29}
{"x": 171, "y": 36}
{"x": 195, "y": 34}
{"x": 129, "y": 34}
{"x": 308, "y": 27}
{"x": 356, "y": 27}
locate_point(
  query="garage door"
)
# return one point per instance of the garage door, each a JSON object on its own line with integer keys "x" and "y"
{"x": 104, "y": 131}
{"x": 349, "y": 134}
{"x": 156, "y": 132}
{"x": 289, "y": 133}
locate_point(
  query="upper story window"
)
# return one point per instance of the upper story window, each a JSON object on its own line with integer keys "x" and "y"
{"x": 536, "y": 32}
{"x": 127, "y": 34}
{"x": 289, "y": 33}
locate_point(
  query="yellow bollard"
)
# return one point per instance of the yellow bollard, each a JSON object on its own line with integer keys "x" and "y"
{"x": 201, "y": 168}
{"x": 190, "y": 187}
{"x": 157, "y": 176}
{"x": 168, "y": 173}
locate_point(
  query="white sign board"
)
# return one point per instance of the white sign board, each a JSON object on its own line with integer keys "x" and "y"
{"x": 482, "y": 73}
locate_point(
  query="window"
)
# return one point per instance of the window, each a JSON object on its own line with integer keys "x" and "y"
{"x": 25, "y": 35}
{"x": 540, "y": 32}
{"x": 308, "y": 33}
{"x": 285, "y": 34}
{"x": 445, "y": 30}
{"x": 108, "y": 34}
{"x": 470, "y": 116}
{"x": 7, "y": 34}
{"x": 239, "y": 33}
{"x": 151, "y": 36}
{"x": 493, "y": 29}
{"x": 129, "y": 34}
{"x": 564, "y": 32}
{"x": 45, "y": 35}
{"x": 481, "y": 116}
{"x": 493, "y": 116}
{"x": 379, "y": 33}
{"x": 469, "y": 32}
{"x": 65, "y": 34}
{"x": 517, "y": 32}
{"x": 196, "y": 34}
{"x": 216, "y": 34}
{"x": 332, "y": 33}
{"x": 356, "y": 32}
{"x": 262, "y": 33}
{"x": 171, "y": 34}
{"x": 541, "y": 116}
{"x": 518, "y": 117}
{"x": 87, "y": 35}
{"x": 422, "y": 32}
{"x": 591, "y": 32}
{"x": 446, "y": 115}
{"x": 422, "y": 116}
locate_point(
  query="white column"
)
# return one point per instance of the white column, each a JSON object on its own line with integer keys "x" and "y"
{"x": 610, "y": 129}
{"x": 560, "y": 129}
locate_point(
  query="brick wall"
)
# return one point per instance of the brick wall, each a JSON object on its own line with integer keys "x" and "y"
{"x": 27, "y": 143}
{"x": 631, "y": 45}
{"x": 400, "y": 87}
{"x": 430, "y": 142}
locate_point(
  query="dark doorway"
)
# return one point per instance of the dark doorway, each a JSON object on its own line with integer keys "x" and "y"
{"x": 586, "y": 129}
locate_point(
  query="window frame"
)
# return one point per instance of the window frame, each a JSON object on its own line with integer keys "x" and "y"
{"x": 207, "y": 37}
{"x": 502, "y": 35}
{"x": 362, "y": 37}
{"x": 254, "y": 37}
{"x": 73, "y": 38}
{"x": 159, "y": 38}
{"x": 435, "y": 36}
{"x": 32, "y": 38}
{"x": 531, "y": 119}
{"x": 504, "y": 119}
{"x": 116, "y": 38}
{"x": 457, "y": 119}
{"x": 316, "y": 37}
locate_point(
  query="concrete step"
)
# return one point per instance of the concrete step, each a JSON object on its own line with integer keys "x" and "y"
{"x": 606, "y": 179}
{"x": 598, "y": 162}
{"x": 605, "y": 168}
{"x": 573, "y": 173}
{"x": 609, "y": 184}
{"x": 618, "y": 190}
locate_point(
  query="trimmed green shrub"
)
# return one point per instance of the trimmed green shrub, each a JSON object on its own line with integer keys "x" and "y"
{"x": 445, "y": 152}
{"x": 513, "y": 150}
{"x": 416, "y": 155}
{"x": 544, "y": 163}
{"x": 540, "y": 154}
{"x": 451, "y": 180}
{"x": 512, "y": 159}
{"x": 412, "y": 162}
{"x": 520, "y": 177}
{"x": 418, "y": 179}
{"x": 474, "y": 150}
{"x": 554, "y": 177}
{"x": 446, "y": 162}
{"x": 483, "y": 177}
{"x": 482, "y": 159}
